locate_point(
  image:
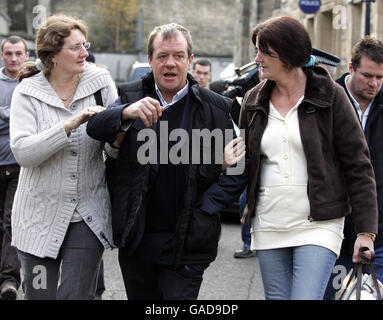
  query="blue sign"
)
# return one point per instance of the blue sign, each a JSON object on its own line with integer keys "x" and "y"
{"x": 309, "y": 6}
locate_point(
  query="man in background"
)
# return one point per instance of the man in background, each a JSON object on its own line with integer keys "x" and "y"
{"x": 363, "y": 85}
{"x": 202, "y": 72}
{"x": 13, "y": 54}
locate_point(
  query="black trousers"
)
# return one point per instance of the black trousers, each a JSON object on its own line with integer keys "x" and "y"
{"x": 146, "y": 279}
{"x": 9, "y": 263}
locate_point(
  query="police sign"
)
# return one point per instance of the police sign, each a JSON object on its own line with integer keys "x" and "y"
{"x": 309, "y": 6}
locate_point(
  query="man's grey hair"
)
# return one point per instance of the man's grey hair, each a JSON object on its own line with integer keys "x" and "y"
{"x": 169, "y": 31}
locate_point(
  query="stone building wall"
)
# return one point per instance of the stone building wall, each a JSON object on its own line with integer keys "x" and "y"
{"x": 211, "y": 22}
{"x": 86, "y": 10}
{"x": 336, "y": 27}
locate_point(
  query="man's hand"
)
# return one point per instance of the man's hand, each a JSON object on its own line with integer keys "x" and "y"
{"x": 147, "y": 109}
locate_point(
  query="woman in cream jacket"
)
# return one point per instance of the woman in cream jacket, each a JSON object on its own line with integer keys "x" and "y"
{"x": 61, "y": 210}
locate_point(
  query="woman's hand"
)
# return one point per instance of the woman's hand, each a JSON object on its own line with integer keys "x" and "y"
{"x": 75, "y": 121}
{"x": 362, "y": 240}
{"x": 234, "y": 151}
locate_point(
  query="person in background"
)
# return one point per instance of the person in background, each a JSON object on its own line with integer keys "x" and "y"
{"x": 166, "y": 216}
{"x": 326, "y": 60}
{"x": 309, "y": 165}
{"x": 363, "y": 85}
{"x": 202, "y": 72}
{"x": 14, "y": 53}
{"x": 246, "y": 251}
{"x": 61, "y": 212}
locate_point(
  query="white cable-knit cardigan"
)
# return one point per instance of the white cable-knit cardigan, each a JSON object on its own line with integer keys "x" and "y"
{"x": 58, "y": 173}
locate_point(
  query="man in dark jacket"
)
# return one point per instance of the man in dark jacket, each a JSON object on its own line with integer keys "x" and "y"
{"x": 363, "y": 85}
{"x": 166, "y": 195}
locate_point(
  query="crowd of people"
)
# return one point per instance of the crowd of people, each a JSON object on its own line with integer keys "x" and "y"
{"x": 75, "y": 181}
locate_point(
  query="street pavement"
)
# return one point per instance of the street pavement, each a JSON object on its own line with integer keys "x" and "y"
{"x": 225, "y": 279}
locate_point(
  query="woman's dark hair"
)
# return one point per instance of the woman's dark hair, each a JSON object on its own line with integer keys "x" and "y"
{"x": 287, "y": 37}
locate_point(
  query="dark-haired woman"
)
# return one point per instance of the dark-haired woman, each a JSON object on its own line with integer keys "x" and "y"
{"x": 60, "y": 218}
{"x": 309, "y": 164}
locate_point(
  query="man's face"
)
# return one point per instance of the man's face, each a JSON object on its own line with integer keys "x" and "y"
{"x": 170, "y": 64}
{"x": 201, "y": 74}
{"x": 366, "y": 81}
{"x": 13, "y": 56}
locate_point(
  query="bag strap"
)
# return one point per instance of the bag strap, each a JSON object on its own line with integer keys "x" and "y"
{"x": 348, "y": 282}
{"x": 359, "y": 269}
{"x": 120, "y": 135}
{"x": 359, "y": 273}
{"x": 98, "y": 97}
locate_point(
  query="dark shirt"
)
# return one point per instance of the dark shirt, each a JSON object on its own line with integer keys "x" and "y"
{"x": 166, "y": 197}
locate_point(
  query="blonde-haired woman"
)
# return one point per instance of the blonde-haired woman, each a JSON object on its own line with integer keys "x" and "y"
{"x": 60, "y": 218}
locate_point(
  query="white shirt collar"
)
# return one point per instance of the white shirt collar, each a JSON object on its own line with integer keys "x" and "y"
{"x": 357, "y": 106}
{"x": 179, "y": 95}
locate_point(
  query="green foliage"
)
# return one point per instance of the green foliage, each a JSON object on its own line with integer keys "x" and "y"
{"x": 120, "y": 17}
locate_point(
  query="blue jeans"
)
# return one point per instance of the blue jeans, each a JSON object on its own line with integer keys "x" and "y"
{"x": 245, "y": 228}
{"x": 296, "y": 273}
{"x": 343, "y": 266}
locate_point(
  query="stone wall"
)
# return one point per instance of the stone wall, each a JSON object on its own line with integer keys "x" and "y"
{"x": 4, "y": 23}
{"x": 211, "y": 22}
{"x": 86, "y": 10}
{"x": 335, "y": 28}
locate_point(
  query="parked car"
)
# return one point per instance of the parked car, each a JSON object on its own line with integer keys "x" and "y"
{"x": 138, "y": 70}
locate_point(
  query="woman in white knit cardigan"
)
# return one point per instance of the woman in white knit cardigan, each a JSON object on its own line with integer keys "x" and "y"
{"x": 60, "y": 217}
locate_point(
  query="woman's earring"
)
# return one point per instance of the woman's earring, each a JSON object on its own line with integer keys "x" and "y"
{"x": 54, "y": 64}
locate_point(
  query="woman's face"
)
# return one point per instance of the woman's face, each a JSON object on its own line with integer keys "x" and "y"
{"x": 269, "y": 63}
{"x": 71, "y": 59}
